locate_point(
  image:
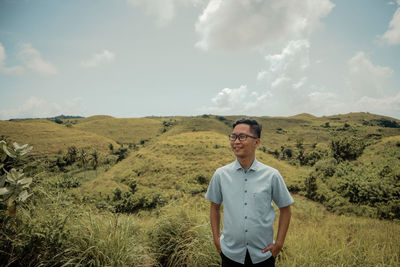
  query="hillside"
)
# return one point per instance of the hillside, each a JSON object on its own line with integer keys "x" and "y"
{"x": 142, "y": 203}
{"x": 133, "y": 130}
{"x": 177, "y": 164}
{"x": 47, "y": 137}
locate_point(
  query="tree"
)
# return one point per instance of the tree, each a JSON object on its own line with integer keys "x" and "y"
{"x": 83, "y": 158}
{"x": 71, "y": 155}
{"x": 94, "y": 160}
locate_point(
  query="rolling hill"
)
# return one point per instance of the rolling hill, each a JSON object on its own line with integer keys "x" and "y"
{"x": 48, "y": 137}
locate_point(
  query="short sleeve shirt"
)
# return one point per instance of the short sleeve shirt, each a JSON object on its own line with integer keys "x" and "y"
{"x": 248, "y": 211}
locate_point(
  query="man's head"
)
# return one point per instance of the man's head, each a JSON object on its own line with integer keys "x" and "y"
{"x": 255, "y": 127}
{"x": 245, "y": 137}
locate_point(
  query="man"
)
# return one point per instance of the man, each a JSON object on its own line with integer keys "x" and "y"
{"x": 247, "y": 187}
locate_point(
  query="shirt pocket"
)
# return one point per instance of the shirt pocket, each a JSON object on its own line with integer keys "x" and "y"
{"x": 262, "y": 201}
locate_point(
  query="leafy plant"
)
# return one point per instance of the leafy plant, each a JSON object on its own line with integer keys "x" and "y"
{"x": 13, "y": 186}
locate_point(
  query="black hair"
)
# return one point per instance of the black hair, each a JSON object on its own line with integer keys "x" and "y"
{"x": 255, "y": 127}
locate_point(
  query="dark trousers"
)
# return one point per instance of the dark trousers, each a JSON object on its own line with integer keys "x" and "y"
{"x": 227, "y": 262}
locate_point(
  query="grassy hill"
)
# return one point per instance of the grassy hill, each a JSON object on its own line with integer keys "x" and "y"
{"x": 133, "y": 130}
{"x": 148, "y": 207}
{"x": 176, "y": 164}
{"x": 47, "y": 137}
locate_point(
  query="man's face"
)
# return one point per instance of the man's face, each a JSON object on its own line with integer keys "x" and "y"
{"x": 246, "y": 148}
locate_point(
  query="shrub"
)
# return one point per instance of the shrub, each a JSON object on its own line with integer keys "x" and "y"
{"x": 346, "y": 148}
{"x": 326, "y": 166}
{"x": 72, "y": 155}
{"x": 131, "y": 203}
{"x": 201, "y": 179}
{"x": 311, "y": 186}
{"x": 387, "y": 123}
{"x": 122, "y": 153}
{"x": 13, "y": 186}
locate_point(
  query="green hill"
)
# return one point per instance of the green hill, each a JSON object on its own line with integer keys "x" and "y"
{"x": 48, "y": 137}
{"x": 133, "y": 130}
{"x": 144, "y": 204}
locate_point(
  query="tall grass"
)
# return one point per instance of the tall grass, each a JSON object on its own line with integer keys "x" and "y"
{"x": 318, "y": 238}
{"x": 181, "y": 236}
{"x": 105, "y": 240}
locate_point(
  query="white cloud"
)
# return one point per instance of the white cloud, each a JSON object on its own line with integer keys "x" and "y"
{"x": 229, "y": 99}
{"x": 34, "y": 61}
{"x": 283, "y": 81}
{"x": 98, "y": 59}
{"x": 392, "y": 35}
{"x": 35, "y": 107}
{"x": 234, "y": 24}
{"x": 8, "y": 70}
{"x": 293, "y": 60}
{"x": 163, "y": 10}
{"x": 289, "y": 88}
{"x": 365, "y": 78}
{"x": 388, "y": 105}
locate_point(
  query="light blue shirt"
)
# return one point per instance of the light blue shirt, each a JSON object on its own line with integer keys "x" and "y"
{"x": 248, "y": 211}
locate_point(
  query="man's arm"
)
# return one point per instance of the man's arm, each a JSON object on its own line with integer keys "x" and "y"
{"x": 284, "y": 220}
{"x": 215, "y": 219}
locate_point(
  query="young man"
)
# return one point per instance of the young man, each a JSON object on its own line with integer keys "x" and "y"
{"x": 247, "y": 188}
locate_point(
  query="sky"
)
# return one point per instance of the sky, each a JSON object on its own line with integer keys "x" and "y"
{"x": 137, "y": 58}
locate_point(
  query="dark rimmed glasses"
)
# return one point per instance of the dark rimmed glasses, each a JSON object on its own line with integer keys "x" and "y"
{"x": 241, "y": 137}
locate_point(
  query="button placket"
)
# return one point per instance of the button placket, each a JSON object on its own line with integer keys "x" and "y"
{"x": 246, "y": 202}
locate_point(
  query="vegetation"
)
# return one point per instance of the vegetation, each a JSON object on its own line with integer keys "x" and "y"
{"x": 130, "y": 192}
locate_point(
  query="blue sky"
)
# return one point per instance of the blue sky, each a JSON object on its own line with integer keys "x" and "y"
{"x": 135, "y": 58}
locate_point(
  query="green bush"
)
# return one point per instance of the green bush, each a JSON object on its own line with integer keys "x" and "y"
{"x": 142, "y": 200}
{"x": 327, "y": 167}
{"x": 346, "y": 148}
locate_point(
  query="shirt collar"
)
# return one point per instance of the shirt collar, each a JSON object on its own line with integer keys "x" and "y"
{"x": 253, "y": 166}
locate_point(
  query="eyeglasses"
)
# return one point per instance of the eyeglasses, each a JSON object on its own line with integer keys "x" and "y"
{"x": 241, "y": 137}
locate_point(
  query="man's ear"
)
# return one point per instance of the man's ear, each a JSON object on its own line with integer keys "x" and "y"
{"x": 258, "y": 142}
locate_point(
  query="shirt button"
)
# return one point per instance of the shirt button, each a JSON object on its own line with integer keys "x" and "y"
{"x": 245, "y": 180}
{"x": 245, "y": 191}
{"x": 247, "y": 244}
{"x": 245, "y": 230}
{"x": 245, "y": 217}
{"x": 245, "y": 203}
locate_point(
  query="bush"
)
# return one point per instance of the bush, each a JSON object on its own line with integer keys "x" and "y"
{"x": 346, "y": 148}
{"x": 327, "y": 167}
{"x": 311, "y": 187}
{"x": 387, "y": 123}
{"x": 68, "y": 182}
{"x": 131, "y": 203}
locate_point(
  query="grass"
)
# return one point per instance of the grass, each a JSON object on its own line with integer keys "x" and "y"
{"x": 69, "y": 226}
{"x": 133, "y": 130}
{"x": 319, "y": 238}
{"x": 47, "y": 137}
{"x": 173, "y": 163}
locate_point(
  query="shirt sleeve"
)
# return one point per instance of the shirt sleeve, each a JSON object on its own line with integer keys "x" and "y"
{"x": 214, "y": 193}
{"x": 280, "y": 193}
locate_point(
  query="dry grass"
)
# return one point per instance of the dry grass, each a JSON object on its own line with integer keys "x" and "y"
{"x": 131, "y": 130}
{"x": 47, "y": 137}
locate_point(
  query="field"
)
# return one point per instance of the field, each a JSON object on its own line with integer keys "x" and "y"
{"x": 130, "y": 192}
